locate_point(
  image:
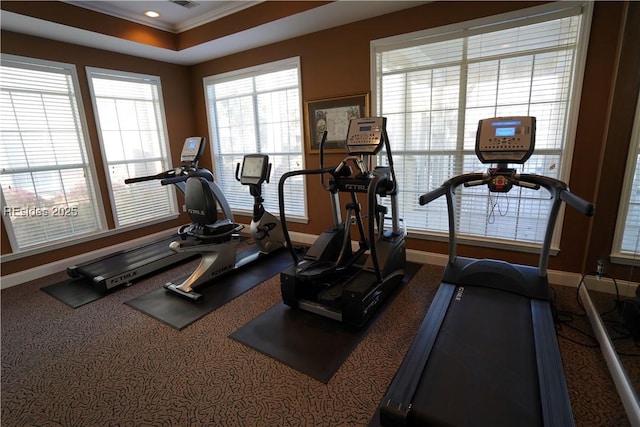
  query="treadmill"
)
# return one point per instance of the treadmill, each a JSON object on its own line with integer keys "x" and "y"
{"x": 487, "y": 352}
{"x": 124, "y": 267}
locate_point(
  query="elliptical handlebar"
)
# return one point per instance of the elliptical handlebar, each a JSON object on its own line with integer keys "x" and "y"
{"x": 321, "y": 153}
{"x": 283, "y": 219}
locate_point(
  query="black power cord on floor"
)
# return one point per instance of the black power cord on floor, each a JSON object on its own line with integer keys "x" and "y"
{"x": 566, "y": 318}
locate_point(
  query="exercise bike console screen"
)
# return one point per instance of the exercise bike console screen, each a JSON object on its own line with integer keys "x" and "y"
{"x": 365, "y": 135}
{"x": 192, "y": 149}
{"x": 254, "y": 169}
{"x": 505, "y": 139}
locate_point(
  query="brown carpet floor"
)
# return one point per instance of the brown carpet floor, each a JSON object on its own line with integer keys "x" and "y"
{"x": 108, "y": 364}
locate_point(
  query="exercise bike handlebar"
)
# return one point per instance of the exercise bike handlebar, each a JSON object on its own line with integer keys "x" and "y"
{"x": 174, "y": 180}
{"x": 161, "y": 175}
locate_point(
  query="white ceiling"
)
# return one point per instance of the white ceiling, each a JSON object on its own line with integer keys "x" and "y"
{"x": 317, "y": 19}
{"x": 173, "y": 17}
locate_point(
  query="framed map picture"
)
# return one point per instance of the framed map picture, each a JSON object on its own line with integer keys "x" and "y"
{"x": 332, "y": 115}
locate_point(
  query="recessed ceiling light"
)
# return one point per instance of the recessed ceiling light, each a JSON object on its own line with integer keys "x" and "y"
{"x": 152, "y": 14}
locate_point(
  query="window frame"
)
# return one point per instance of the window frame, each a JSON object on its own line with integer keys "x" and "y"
{"x": 251, "y": 72}
{"x": 499, "y": 22}
{"x": 633, "y": 159}
{"x": 162, "y": 131}
{"x": 92, "y": 181}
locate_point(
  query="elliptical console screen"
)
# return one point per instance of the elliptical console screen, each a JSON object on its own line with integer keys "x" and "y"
{"x": 365, "y": 135}
{"x": 254, "y": 168}
{"x": 505, "y": 139}
{"x": 192, "y": 149}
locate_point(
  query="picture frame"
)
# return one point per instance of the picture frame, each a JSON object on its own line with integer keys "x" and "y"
{"x": 332, "y": 114}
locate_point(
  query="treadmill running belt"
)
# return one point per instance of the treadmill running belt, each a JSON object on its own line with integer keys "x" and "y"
{"x": 123, "y": 261}
{"x": 483, "y": 364}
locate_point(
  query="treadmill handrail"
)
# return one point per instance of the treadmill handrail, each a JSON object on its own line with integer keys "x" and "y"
{"x": 558, "y": 190}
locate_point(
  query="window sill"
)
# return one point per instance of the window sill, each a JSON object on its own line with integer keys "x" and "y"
{"x": 290, "y": 218}
{"x": 625, "y": 259}
{"x": 510, "y": 245}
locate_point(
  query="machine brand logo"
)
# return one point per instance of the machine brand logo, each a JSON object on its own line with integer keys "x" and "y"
{"x": 124, "y": 277}
{"x": 195, "y": 211}
{"x": 459, "y": 294}
{"x": 373, "y": 303}
{"x": 355, "y": 187}
{"x": 222, "y": 270}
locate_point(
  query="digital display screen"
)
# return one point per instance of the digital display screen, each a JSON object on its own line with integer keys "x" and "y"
{"x": 365, "y": 128}
{"x": 252, "y": 167}
{"x": 506, "y": 131}
{"x": 507, "y": 123}
{"x": 192, "y": 145}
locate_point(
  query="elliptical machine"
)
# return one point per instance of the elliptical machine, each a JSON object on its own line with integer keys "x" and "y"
{"x": 332, "y": 280}
{"x": 216, "y": 239}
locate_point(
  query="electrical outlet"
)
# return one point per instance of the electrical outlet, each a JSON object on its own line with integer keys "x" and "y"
{"x": 600, "y": 268}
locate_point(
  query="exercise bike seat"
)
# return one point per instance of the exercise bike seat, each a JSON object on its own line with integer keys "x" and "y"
{"x": 202, "y": 209}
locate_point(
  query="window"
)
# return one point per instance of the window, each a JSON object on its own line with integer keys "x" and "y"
{"x": 131, "y": 122}
{"x": 434, "y": 87}
{"x": 626, "y": 245}
{"x": 257, "y": 110}
{"x": 48, "y": 190}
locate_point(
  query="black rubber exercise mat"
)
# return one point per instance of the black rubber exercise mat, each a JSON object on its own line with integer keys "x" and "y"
{"x": 307, "y": 342}
{"x": 179, "y": 312}
{"x": 75, "y": 292}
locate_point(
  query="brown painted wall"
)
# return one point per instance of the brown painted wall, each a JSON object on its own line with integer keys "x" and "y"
{"x": 336, "y": 62}
{"x": 618, "y": 126}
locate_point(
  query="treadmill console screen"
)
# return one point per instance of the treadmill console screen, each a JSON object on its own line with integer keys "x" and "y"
{"x": 254, "y": 169}
{"x": 192, "y": 149}
{"x": 505, "y": 139}
{"x": 365, "y": 135}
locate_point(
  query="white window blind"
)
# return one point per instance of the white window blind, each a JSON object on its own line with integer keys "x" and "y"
{"x": 626, "y": 245}
{"x": 257, "y": 110}
{"x": 435, "y": 86}
{"x": 130, "y": 115}
{"x": 48, "y": 191}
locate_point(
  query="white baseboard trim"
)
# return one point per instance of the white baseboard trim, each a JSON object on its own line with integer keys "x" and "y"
{"x": 563, "y": 278}
{"x": 556, "y": 277}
